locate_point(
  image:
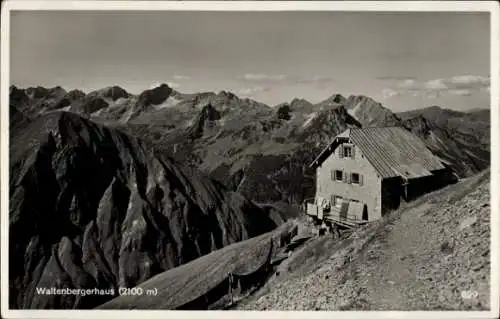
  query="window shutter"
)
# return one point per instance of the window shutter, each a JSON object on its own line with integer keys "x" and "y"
{"x": 349, "y": 178}
{"x": 332, "y": 175}
{"x": 345, "y": 177}
{"x": 360, "y": 180}
{"x": 341, "y": 153}
{"x": 352, "y": 151}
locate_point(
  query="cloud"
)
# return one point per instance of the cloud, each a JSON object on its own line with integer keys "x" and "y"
{"x": 462, "y": 85}
{"x": 181, "y": 77}
{"x": 462, "y": 92}
{"x": 317, "y": 79}
{"x": 264, "y": 77}
{"x": 468, "y": 80}
{"x": 436, "y": 85}
{"x": 285, "y": 79}
{"x": 388, "y": 93}
{"x": 395, "y": 78}
{"x": 407, "y": 84}
{"x": 252, "y": 90}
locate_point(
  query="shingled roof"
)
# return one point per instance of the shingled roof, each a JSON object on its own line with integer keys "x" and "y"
{"x": 392, "y": 151}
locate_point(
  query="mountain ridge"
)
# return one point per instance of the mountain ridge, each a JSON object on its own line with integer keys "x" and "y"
{"x": 239, "y": 131}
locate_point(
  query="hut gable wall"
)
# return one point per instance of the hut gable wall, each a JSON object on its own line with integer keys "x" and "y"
{"x": 367, "y": 191}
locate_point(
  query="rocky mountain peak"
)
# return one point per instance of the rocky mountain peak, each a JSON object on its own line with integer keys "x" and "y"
{"x": 115, "y": 93}
{"x": 419, "y": 125}
{"x": 227, "y": 95}
{"x": 337, "y": 98}
{"x": 370, "y": 112}
{"x": 332, "y": 102}
{"x": 204, "y": 120}
{"x": 17, "y": 96}
{"x": 75, "y": 95}
{"x": 37, "y": 92}
{"x": 297, "y": 103}
{"x": 156, "y": 95}
{"x": 352, "y": 100}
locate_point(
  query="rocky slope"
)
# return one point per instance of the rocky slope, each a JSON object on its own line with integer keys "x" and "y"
{"x": 204, "y": 284}
{"x": 91, "y": 207}
{"x": 432, "y": 254}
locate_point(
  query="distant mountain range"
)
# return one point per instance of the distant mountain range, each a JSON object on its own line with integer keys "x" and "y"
{"x": 118, "y": 187}
{"x": 256, "y": 149}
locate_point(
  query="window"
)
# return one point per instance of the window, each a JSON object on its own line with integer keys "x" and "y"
{"x": 355, "y": 178}
{"x": 347, "y": 150}
{"x": 338, "y": 175}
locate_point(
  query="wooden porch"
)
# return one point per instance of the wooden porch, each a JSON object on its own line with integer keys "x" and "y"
{"x": 337, "y": 215}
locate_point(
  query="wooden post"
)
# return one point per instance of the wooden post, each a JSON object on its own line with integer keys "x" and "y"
{"x": 405, "y": 185}
{"x": 231, "y": 287}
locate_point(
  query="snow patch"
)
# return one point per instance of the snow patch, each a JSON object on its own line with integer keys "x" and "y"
{"x": 169, "y": 102}
{"x": 310, "y": 118}
{"x": 356, "y": 109}
{"x": 97, "y": 113}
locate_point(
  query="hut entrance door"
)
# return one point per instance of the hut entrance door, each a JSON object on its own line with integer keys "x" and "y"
{"x": 365, "y": 213}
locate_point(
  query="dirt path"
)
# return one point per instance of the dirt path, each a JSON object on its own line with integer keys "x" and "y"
{"x": 426, "y": 247}
{"x": 421, "y": 258}
{"x": 388, "y": 271}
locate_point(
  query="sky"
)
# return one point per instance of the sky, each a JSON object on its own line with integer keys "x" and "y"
{"x": 404, "y": 60}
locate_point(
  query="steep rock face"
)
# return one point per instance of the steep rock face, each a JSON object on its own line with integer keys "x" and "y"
{"x": 115, "y": 92}
{"x": 435, "y": 113}
{"x": 283, "y": 112}
{"x": 301, "y": 105}
{"x": 91, "y": 207}
{"x": 155, "y": 96}
{"x": 333, "y": 101}
{"x": 204, "y": 121}
{"x": 420, "y": 126}
{"x": 467, "y": 152}
{"x": 323, "y": 127}
{"x": 88, "y": 105}
{"x": 74, "y": 95}
{"x": 35, "y": 101}
{"x": 370, "y": 112}
{"x": 475, "y": 123}
{"x": 17, "y": 119}
{"x": 37, "y": 92}
{"x": 482, "y": 115}
{"x": 18, "y": 101}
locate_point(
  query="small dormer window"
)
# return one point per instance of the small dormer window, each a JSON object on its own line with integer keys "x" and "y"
{"x": 347, "y": 151}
